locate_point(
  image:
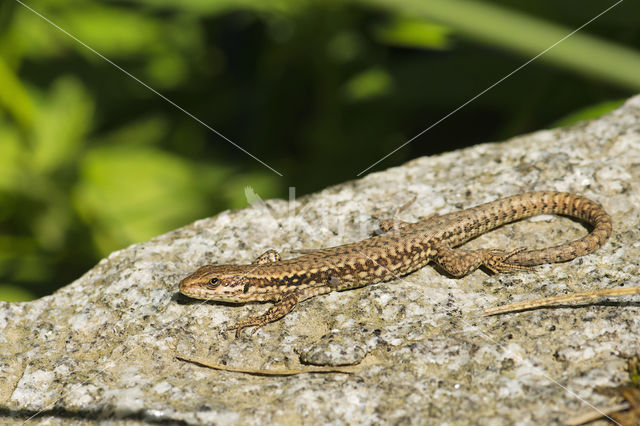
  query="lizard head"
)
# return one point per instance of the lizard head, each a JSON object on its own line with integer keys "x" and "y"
{"x": 222, "y": 283}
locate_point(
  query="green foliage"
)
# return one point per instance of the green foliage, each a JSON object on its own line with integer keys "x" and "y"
{"x": 166, "y": 190}
{"x": 12, "y": 293}
{"x": 589, "y": 112}
{"x": 92, "y": 161}
{"x": 368, "y": 84}
{"x": 503, "y": 27}
{"x": 420, "y": 33}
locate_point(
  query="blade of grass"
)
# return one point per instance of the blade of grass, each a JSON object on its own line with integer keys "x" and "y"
{"x": 528, "y": 36}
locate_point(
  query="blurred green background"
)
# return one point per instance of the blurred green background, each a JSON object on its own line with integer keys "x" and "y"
{"x": 92, "y": 161}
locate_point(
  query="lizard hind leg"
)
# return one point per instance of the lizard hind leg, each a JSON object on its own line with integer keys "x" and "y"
{"x": 498, "y": 261}
{"x": 393, "y": 224}
{"x": 386, "y": 225}
{"x": 460, "y": 262}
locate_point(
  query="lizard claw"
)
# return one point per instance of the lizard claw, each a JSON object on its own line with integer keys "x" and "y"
{"x": 256, "y": 322}
{"x": 497, "y": 261}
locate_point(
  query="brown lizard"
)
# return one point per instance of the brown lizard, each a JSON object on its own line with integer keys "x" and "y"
{"x": 403, "y": 248}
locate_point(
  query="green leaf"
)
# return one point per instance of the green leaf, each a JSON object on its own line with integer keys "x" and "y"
{"x": 222, "y": 6}
{"x": 64, "y": 119}
{"x": 590, "y": 112}
{"x": 132, "y": 193}
{"x": 141, "y": 131}
{"x": 263, "y": 185}
{"x": 167, "y": 69}
{"x": 13, "y": 160}
{"x": 344, "y": 46}
{"x": 112, "y": 31}
{"x": 414, "y": 33}
{"x": 12, "y": 293}
{"x": 486, "y": 22}
{"x": 14, "y": 98}
{"x": 368, "y": 84}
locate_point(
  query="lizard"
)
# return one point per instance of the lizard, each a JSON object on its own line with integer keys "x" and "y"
{"x": 400, "y": 249}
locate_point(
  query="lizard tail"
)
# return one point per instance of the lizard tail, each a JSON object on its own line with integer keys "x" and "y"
{"x": 571, "y": 205}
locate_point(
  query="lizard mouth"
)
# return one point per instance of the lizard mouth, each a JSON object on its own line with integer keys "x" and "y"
{"x": 194, "y": 290}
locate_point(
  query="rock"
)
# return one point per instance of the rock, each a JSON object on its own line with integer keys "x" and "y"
{"x": 337, "y": 349}
{"x": 105, "y": 346}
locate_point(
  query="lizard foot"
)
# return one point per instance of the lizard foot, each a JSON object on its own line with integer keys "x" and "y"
{"x": 256, "y": 322}
{"x": 497, "y": 261}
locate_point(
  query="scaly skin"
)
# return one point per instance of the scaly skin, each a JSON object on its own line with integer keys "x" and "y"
{"x": 404, "y": 249}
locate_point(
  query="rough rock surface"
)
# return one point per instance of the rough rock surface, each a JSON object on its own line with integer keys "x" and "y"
{"x": 105, "y": 346}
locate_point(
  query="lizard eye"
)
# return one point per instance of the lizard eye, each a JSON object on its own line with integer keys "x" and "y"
{"x": 213, "y": 283}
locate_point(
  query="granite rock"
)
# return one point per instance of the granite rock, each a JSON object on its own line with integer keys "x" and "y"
{"x": 104, "y": 347}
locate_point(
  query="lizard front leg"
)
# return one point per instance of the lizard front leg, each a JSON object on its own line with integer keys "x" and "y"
{"x": 277, "y": 311}
{"x": 460, "y": 262}
{"x": 280, "y": 309}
